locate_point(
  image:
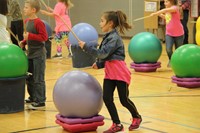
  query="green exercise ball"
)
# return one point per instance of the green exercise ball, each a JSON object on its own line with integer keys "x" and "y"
{"x": 144, "y": 47}
{"x": 185, "y": 61}
{"x": 13, "y": 61}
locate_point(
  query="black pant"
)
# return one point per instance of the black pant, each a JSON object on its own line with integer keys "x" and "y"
{"x": 17, "y": 29}
{"x": 184, "y": 22}
{"x": 123, "y": 92}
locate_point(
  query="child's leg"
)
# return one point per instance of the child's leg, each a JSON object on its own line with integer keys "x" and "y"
{"x": 123, "y": 92}
{"x": 169, "y": 45}
{"x": 66, "y": 41}
{"x": 58, "y": 38}
{"x": 29, "y": 82}
{"x": 108, "y": 90}
{"x": 179, "y": 41}
{"x": 39, "y": 83}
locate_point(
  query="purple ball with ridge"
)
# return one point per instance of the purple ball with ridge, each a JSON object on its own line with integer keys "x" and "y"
{"x": 78, "y": 94}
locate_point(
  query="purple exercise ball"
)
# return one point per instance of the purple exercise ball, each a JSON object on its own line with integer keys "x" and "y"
{"x": 77, "y": 94}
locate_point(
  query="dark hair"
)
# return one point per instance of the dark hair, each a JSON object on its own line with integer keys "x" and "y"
{"x": 3, "y": 7}
{"x": 119, "y": 20}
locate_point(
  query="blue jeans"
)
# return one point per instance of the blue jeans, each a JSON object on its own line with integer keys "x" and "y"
{"x": 36, "y": 82}
{"x": 170, "y": 41}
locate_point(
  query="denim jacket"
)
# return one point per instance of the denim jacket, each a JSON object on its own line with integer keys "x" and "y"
{"x": 111, "y": 48}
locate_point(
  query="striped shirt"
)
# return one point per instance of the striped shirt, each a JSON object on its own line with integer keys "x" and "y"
{"x": 185, "y": 4}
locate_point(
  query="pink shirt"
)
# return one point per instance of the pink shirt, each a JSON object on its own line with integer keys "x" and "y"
{"x": 173, "y": 24}
{"x": 117, "y": 70}
{"x": 61, "y": 10}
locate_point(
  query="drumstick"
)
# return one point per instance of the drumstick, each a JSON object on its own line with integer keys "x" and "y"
{"x": 63, "y": 22}
{"x": 192, "y": 21}
{"x": 141, "y": 18}
{"x": 69, "y": 28}
{"x": 44, "y": 4}
{"x": 24, "y": 24}
{"x": 13, "y": 35}
{"x": 10, "y": 32}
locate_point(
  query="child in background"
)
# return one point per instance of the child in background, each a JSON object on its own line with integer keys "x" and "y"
{"x": 185, "y": 7}
{"x": 17, "y": 21}
{"x": 174, "y": 29}
{"x": 62, "y": 31}
{"x": 111, "y": 56}
{"x": 35, "y": 37}
{"x": 4, "y": 35}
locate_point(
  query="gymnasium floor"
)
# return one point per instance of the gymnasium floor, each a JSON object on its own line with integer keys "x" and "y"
{"x": 165, "y": 108}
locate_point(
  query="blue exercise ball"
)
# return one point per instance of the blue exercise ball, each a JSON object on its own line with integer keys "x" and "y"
{"x": 84, "y": 32}
{"x": 145, "y": 47}
{"x": 48, "y": 28}
{"x": 77, "y": 94}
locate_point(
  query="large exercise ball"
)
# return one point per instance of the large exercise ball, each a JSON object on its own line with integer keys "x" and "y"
{"x": 185, "y": 61}
{"x": 13, "y": 61}
{"x": 84, "y": 32}
{"x": 144, "y": 47}
{"x": 48, "y": 28}
{"x": 77, "y": 94}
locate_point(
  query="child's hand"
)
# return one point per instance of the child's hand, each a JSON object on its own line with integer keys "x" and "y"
{"x": 49, "y": 9}
{"x": 94, "y": 66}
{"x": 81, "y": 44}
{"x": 21, "y": 44}
{"x": 25, "y": 35}
{"x": 43, "y": 11}
{"x": 153, "y": 14}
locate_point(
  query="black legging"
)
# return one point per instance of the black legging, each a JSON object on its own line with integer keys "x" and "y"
{"x": 123, "y": 92}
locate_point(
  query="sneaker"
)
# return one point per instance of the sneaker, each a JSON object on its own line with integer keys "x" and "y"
{"x": 57, "y": 56}
{"x": 29, "y": 101}
{"x": 36, "y": 106}
{"x": 115, "y": 128}
{"x": 135, "y": 124}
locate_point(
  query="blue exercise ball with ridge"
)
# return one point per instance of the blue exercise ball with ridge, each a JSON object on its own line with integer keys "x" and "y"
{"x": 145, "y": 47}
{"x": 185, "y": 61}
{"x": 78, "y": 94}
{"x": 48, "y": 28}
{"x": 13, "y": 61}
{"x": 84, "y": 32}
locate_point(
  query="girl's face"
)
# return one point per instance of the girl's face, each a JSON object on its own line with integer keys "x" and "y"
{"x": 28, "y": 10}
{"x": 104, "y": 25}
{"x": 167, "y": 3}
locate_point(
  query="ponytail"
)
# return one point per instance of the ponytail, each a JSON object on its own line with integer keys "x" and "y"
{"x": 122, "y": 21}
{"x": 119, "y": 20}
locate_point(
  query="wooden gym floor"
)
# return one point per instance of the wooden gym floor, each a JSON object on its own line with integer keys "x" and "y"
{"x": 165, "y": 108}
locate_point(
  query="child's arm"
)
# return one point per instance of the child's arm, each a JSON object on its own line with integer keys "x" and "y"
{"x": 103, "y": 52}
{"x": 162, "y": 16}
{"x": 47, "y": 13}
{"x": 163, "y": 11}
{"x": 42, "y": 34}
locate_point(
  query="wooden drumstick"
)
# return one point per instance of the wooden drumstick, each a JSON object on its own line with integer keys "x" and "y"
{"x": 141, "y": 18}
{"x": 63, "y": 22}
